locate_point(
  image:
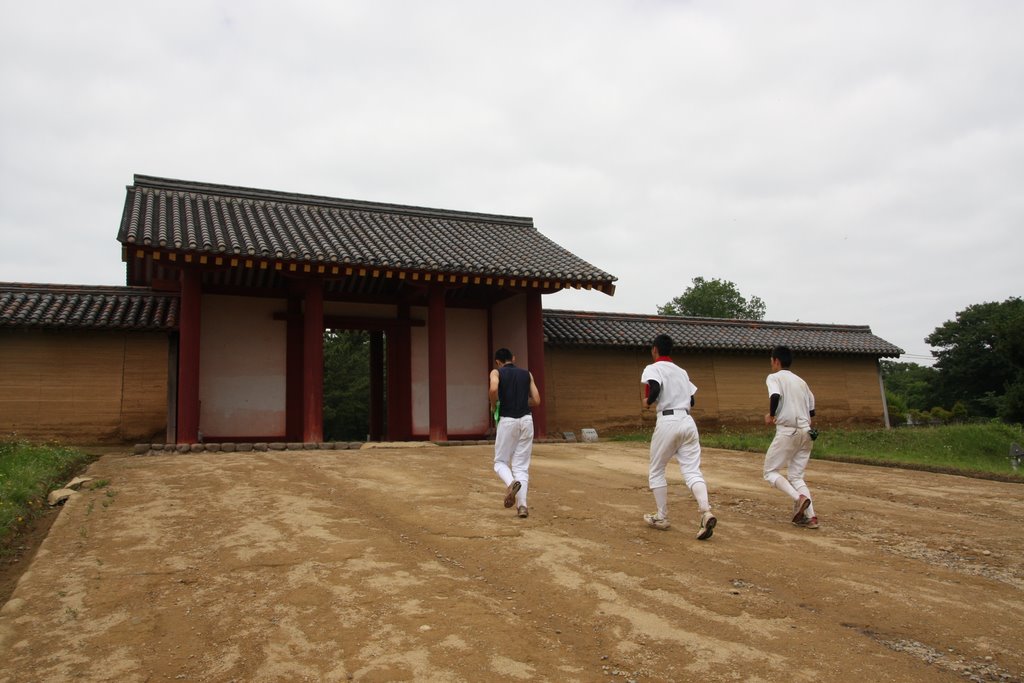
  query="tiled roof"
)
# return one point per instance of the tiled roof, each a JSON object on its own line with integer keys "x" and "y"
{"x": 86, "y": 307}
{"x": 224, "y": 221}
{"x": 576, "y": 328}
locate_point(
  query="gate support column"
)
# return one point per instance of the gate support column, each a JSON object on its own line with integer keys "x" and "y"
{"x": 313, "y": 363}
{"x": 188, "y": 356}
{"x": 535, "y": 350}
{"x": 293, "y": 370}
{"x": 399, "y": 352}
{"x": 438, "y": 371}
{"x": 376, "y": 385}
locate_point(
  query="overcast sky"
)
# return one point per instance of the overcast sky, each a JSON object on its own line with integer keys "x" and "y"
{"x": 847, "y": 162}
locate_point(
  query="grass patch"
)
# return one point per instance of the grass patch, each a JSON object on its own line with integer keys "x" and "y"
{"x": 973, "y": 449}
{"x": 27, "y": 474}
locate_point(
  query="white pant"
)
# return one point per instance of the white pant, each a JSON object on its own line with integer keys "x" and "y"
{"x": 675, "y": 436}
{"x": 791, "y": 448}
{"x": 513, "y": 447}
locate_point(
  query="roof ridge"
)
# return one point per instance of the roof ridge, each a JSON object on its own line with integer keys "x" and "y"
{"x": 176, "y": 185}
{"x": 81, "y": 289}
{"x": 729, "y": 322}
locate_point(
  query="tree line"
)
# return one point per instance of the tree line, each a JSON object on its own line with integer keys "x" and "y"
{"x": 978, "y": 370}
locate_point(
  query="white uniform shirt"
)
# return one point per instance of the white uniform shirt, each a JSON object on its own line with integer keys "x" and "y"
{"x": 676, "y": 387}
{"x": 795, "y": 399}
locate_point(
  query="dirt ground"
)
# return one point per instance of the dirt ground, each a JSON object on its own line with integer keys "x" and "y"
{"x": 392, "y": 564}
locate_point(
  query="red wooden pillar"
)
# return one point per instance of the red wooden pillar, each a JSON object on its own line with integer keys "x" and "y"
{"x": 489, "y": 364}
{"x": 535, "y": 349}
{"x": 188, "y": 356}
{"x": 376, "y": 385}
{"x": 437, "y": 367}
{"x": 293, "y": 371}
{"x": 313, "y": 363}
{"x": 399, "y": 350}
{"x": 490, "y": 339}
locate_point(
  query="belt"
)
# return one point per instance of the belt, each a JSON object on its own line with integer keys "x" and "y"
{"x": 673, "y": 412}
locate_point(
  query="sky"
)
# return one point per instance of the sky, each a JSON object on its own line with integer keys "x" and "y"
{"x": 855, "y": 163}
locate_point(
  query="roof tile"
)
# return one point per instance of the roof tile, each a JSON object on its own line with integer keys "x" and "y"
{"x": 579, "y": 328}
{"x": 202, "y": 218}
{"x": 86, "y": 307}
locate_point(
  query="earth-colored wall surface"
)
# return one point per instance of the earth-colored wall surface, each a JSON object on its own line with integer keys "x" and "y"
{"x": 600, "y": 388}
{"x": 84, "y": 386}
{"x": 92, "y": 387}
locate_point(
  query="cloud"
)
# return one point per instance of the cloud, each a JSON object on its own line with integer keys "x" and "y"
{"x": 846, "y": 162}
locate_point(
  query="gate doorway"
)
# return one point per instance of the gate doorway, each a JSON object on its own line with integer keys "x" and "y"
{"x": 354, "y": 381}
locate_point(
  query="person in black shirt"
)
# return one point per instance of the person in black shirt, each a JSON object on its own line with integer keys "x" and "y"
{"x": 513, "y": 391}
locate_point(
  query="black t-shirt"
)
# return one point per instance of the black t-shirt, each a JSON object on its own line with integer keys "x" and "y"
{"x": 513, "y": 391}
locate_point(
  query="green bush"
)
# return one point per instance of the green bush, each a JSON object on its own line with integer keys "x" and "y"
{"x": 897, "y": 408}
{"x": 27, "y": 474}
{"x": 919, "y": 417}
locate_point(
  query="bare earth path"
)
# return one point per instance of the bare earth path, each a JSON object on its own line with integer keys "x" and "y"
{"x": 401, "y": 564}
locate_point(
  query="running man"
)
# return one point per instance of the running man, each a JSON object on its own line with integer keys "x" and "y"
{"x": 790, "y": 409}
{"x": 669, "y": 390}
{"x": 514, "y": 392}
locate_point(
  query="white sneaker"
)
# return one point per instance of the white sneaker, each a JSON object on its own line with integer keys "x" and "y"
{"x": 800, "y": 506}
{"x": 707, "y": 526}
{"x": 510, "y": 493}
{"x": 808, "y": 522}
{"x": 656, "y": 522}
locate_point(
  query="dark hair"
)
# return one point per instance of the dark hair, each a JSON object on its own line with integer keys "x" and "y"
{"x": 663, "y": 342}
{"x": 784, "y": 355}
{"x": 503, "y": 354}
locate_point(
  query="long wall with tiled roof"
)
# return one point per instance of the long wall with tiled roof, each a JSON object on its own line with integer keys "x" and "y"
{"x": 140, "y": 308}
{"x": 593, "y": 360}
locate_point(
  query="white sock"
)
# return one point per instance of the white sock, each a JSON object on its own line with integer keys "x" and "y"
{"x": 661, "y": 500}
{"x": 783, "y": 485}
{"x": 503, "y": 472}
{"x": 807, "y": 492}
{"x": 700, "y": 493}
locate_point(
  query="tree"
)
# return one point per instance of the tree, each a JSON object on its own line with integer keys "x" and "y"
{"x": 914, "y": 384}
{"x": 897, "y": 408}
{"x": 980, "y": 359}
{"x": 346, "y": 385}
{"x": 714, "y": 299}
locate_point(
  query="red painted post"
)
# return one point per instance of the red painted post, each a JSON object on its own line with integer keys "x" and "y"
{"x": 293, "y": 370}
{"x": 437, "y": 367}
{"x": 376, "y": 385}
{"x": 535, "y": 350}
{"x": 188, "y": 356}
{"x": 399, "y": 372}
{"x": 313, "y": 363}
{"x": 489, "y": 365}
